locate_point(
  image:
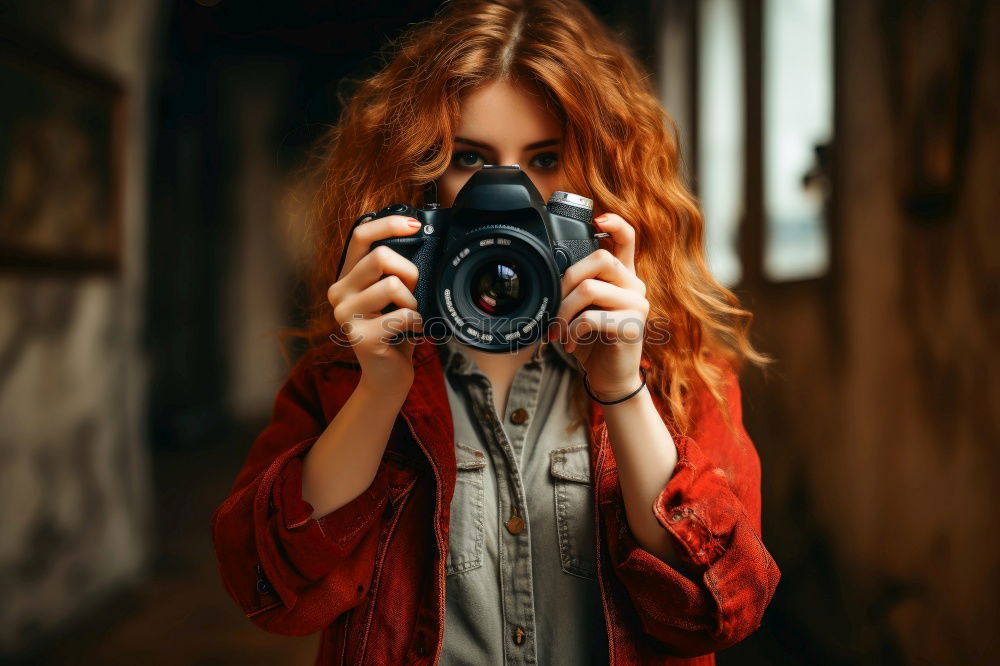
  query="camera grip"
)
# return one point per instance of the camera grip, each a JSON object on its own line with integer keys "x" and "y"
{"x": 422, "y": 251}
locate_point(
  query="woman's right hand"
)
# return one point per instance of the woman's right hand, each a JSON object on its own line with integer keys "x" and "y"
{"x": 369, "y": 281}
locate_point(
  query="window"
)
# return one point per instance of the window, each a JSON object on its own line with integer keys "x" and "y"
{"x": 798, "y": 124}
{"x": 754, "y": 83}
{"x": 720, "y": 134}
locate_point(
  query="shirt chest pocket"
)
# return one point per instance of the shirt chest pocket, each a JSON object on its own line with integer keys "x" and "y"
{"x": 574, "y": 506}
{"x": 466, "y": 529}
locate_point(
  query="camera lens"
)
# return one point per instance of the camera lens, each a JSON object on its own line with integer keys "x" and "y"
{"x": 496, "y": 288}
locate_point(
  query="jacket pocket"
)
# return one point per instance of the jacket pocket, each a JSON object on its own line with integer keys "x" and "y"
{"x": 573, "y": 491}
{"x": 466, "y": 528}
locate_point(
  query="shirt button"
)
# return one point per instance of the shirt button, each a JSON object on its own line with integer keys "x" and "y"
{"x": 519, "y": 416}
{"x": 518, "y": 635}
{"x": 676, "y": 516}
{"x": 515, "y": 524}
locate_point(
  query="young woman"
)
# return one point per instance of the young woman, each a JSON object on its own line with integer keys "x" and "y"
{"x": 593, "y": 498}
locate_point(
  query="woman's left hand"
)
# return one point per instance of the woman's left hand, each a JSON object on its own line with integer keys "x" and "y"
{"x": 607, "y": 335}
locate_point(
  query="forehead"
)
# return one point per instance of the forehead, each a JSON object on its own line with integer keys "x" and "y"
{"x": 506, "y": 115}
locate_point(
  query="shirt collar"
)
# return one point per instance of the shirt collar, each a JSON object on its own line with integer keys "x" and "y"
{"x": 455, "y": 360}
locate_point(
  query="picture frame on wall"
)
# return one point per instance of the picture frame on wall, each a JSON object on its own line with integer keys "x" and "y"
{"x": 61, "y": 155}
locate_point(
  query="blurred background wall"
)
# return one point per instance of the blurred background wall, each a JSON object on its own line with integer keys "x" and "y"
{"x": 74, "y": 477}
{"x": 151, "y": 249}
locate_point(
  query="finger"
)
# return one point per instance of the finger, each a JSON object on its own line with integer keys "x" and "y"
{"x": 366, "y": 233}
{"x": 623, "y": 235}
{"x": 384, "y": 330}
{"x": 604, "y": 265}
{"x": 392, "y": 326}
{"x": 372, "y": 300}
{"x": 593, "y": 292}
{"x": 376, "y": 264}
{"x": 607, "y": 326}
{"x": 381, "y": 261}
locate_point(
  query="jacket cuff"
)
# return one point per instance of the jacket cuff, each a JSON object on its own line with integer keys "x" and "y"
{"x": 677, "y": 596}
{"x": 339, "y": 527}
{"x": 697, "y": 505}
{"x": 710, "y": 612}
{"x": 312, "y": 546}
{"x": 718, "y": 594}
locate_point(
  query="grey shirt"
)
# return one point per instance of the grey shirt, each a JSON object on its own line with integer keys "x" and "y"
{"x": 521, "y": 569}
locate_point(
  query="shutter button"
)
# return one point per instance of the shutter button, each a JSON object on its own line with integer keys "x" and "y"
{"x": 519, "y": 416}
{"x": 562, "y": 259}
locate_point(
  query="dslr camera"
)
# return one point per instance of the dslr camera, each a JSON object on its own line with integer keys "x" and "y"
{"x": 490, "y": 266}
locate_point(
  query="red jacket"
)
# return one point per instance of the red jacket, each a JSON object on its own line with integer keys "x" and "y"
{"x": 371, "y": 575}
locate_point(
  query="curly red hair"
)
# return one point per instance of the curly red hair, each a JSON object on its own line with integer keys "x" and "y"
{"x": 620, "y": 148}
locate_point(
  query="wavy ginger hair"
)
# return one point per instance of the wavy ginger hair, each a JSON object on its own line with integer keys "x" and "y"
{"x": 395, "y": 135}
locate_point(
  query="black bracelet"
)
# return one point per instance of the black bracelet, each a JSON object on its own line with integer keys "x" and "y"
{"x": 586, "y": 385}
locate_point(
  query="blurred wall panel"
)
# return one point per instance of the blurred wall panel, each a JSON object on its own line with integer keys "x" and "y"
{"x": 258, "y": 289}
{"x": 74, "y": 484}
{"x": 879, "y": 429}
{"x": 909, "y": 490}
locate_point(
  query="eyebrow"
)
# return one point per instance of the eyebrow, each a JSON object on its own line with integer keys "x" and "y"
{"x": 531, "y": 146}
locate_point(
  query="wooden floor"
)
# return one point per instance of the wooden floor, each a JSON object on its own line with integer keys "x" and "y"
{"x": 181, "y": 613}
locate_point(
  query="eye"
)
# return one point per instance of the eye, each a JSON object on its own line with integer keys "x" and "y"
{"x": 545, "y": 161}
{"x": 468, "y": 159}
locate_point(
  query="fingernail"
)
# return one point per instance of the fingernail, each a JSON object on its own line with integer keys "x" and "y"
{"x": 415, "y": 224}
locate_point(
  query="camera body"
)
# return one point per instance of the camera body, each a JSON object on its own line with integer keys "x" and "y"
{"x": 490, "y": 266}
